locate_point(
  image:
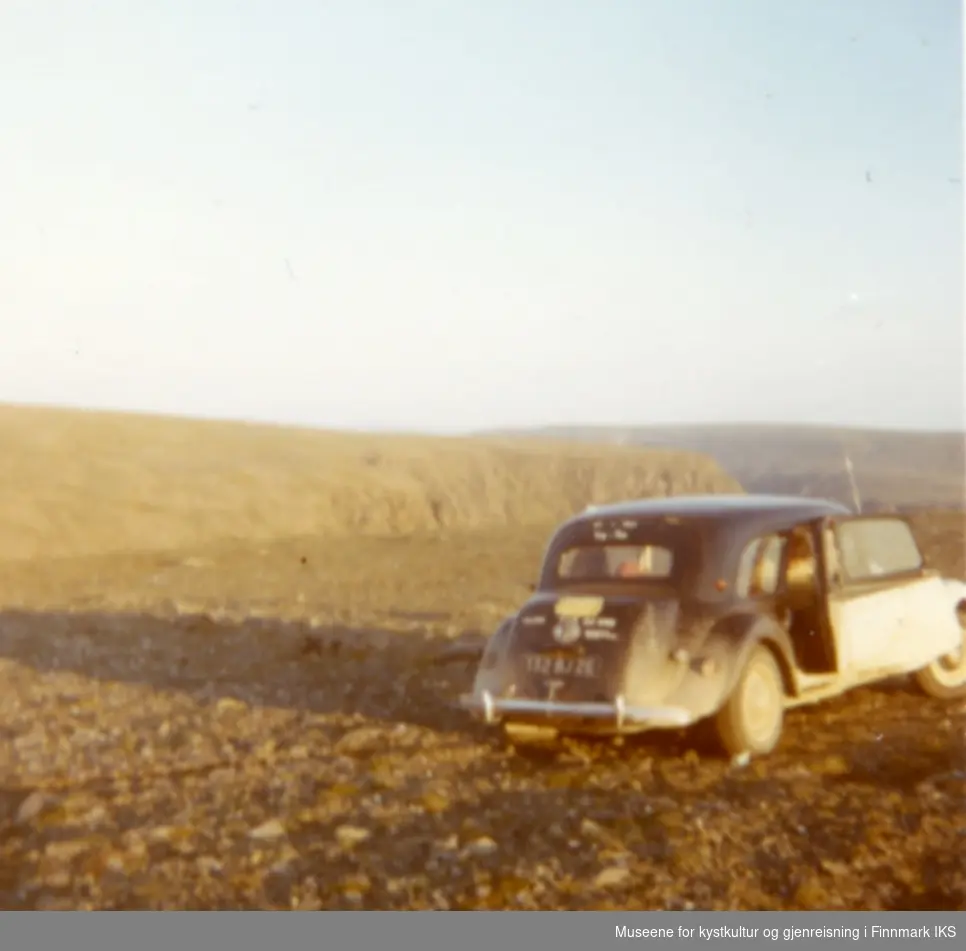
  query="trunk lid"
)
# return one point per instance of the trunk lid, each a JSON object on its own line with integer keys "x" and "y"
{"x": 575, "y": 647}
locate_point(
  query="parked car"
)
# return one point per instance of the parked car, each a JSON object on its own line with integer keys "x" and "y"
{"x": 729, "y": 610}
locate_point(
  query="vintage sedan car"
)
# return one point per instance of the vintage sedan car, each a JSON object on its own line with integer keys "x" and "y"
{"x": 720, "y": 610}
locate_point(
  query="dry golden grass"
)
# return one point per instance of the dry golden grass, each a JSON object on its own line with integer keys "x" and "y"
{"x": 75, "y": 483}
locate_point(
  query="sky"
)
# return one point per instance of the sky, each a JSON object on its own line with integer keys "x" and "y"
{"x": 447, "y": 216}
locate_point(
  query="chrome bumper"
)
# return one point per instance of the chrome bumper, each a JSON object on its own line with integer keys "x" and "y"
{"x": 493, "y": 709}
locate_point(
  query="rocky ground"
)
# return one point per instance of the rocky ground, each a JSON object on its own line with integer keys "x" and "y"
{"x": 257, "y": 727}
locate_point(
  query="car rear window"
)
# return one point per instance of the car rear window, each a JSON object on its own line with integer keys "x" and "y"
{"x": 615, "y": 562}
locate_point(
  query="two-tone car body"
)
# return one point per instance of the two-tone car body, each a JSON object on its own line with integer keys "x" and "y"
{"x": 662, "y": 613}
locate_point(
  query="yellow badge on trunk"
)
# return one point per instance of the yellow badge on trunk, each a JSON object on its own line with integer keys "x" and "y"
{"x": 578, "y": 606}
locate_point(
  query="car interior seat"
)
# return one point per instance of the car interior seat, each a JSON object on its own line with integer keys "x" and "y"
{"x": 766, "y": 568}
{"x": 801, "y": 573}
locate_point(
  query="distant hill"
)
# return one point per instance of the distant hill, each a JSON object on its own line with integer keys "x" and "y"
{"x": 79, "y": 483}
{"x": 893, "y": 468}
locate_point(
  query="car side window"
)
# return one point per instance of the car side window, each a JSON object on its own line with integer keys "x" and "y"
{"x": 759, "y": 569}
{"x": 874, "y": 548}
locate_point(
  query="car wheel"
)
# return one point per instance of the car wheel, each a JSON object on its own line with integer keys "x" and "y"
{"x": 751, "y": 720}
{"x": 945, "y": 677}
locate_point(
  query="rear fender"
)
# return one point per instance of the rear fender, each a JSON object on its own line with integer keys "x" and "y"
{"x": 492, "y": 669}
{"x": 485, "y": 656}
{"x": 707, "y": 675}
{"x": 732, "y": 641}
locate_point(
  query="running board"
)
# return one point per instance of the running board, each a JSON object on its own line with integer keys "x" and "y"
{"x": 808, "y": 682}
{"x": 814, "y": 688}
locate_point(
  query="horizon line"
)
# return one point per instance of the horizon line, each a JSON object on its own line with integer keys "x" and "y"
{"x": 493, "y": 430}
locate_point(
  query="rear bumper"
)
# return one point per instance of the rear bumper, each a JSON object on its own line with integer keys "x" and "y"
{"x": 617, "y": 715}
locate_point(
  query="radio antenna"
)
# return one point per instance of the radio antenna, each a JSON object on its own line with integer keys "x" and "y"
{"x": 853, "y": 484}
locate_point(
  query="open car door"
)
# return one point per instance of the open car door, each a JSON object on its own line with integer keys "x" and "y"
{"x": 888, "y": 613}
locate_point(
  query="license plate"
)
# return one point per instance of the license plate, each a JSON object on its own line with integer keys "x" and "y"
{"x": 577, "y": 606}
{"x": 548, "y": 665}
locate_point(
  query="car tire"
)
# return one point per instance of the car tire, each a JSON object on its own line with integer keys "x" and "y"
{"x": 945, "y": 678}
{"x": 752, "y": 718}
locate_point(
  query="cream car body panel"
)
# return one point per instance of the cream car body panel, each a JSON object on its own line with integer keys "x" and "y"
{"x": 895, "y": 630}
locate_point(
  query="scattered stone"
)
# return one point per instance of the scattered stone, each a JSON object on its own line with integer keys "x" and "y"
{"x": 436, "y": 802}
{"x": 279, "y": 882}
{"x": 484, "y": 845}
{"x": 229, "y": 705}
{"x": 66, "y": 850}
{"x": 616, "y": 857}
{"x": 612, "y": 877}
{"x": 673, "y": 820}
{"x": 598, "y": 833}
{"x": 96, "y": 815}
{"x": 344, "y": 790}
{"x": 356, "y": 887}
{"x": 832, "y": 766}
{"x": 267, "y": 831}
{"x": 810, "y": 895}
{"x": 59, "y": 879}
{"x": 209, "y": 865}
{"x": 32, "y": 807}
{"x": 115, "y": 863}
{"x": 161, "y": 834}
{"x": 448, "y": 845}
{"x": 361, "y": 740}
{"x": 350, "y": 836}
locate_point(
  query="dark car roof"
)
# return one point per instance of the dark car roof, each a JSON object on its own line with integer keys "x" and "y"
{"x": 737, "y": 515}
{"x": 792, "y": 507}
{"x": 725, "y": 523}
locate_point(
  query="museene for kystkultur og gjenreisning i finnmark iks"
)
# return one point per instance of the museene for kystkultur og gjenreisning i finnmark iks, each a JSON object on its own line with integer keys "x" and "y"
{"x": 704, "y": 933}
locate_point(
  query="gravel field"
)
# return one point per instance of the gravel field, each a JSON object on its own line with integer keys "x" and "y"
{"x": 257, "y": 727}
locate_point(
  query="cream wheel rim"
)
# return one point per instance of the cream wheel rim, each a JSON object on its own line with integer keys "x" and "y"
{"x": 950, "y": 669}
{"x": 761, "y": 705}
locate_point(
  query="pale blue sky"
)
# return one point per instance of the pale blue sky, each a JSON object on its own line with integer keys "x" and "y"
{"x": 452, "y": 215}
